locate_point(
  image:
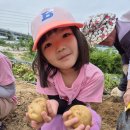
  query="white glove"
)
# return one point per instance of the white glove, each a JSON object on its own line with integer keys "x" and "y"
{"x": 116, "y": 92}
{"x": 125, "y": 69}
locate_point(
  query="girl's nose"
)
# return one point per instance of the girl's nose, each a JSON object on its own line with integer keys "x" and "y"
{"x": 60, "y": 46}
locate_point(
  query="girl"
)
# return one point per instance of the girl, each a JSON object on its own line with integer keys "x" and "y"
{"x": 63, "y": 69}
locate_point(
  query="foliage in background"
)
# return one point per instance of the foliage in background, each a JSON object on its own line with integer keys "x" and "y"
{"x": 30, "y": 46}
{"x": 21, "y": 44}
{"x": 23, "y": 72}
{"x": 2, "y": 42}
{"x": 29, "y": 55}
{"x": 8, "y": 54}
{"x": 111, "y": 80}
{"x": 108, "y": 60}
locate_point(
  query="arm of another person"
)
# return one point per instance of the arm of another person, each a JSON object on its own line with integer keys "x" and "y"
{"x": 125, "y": 44}
{"x": 127, "y": 93}
{"x": 6, "y": 75}
{"x": 7, "y": 91}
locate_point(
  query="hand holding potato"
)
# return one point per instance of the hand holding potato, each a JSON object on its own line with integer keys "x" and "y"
{"x": 41, "y": 110}
{"x": 78, "y": 118}
{"x": 36, "y": 108}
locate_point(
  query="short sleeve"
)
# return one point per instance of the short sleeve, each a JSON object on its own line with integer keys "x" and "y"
{"x": 49, "y": 90}
{"x": 92, "y": 89}
{"x": 125, "y": 44}
{"x": 6, "y": 75}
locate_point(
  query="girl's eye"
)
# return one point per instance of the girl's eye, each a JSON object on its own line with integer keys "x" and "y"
{"x": 66, "y": 35}
{"x": 47, "y": 45}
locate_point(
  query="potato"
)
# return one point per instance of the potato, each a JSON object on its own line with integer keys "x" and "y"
{"x": 82, "y": 113}
{"x": 35, "y": 108}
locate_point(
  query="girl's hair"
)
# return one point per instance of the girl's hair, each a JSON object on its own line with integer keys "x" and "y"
{"x": 44, "y": 69}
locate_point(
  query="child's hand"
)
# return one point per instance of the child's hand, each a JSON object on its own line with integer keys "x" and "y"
{"x": 52, "y": 107}
{"x": 32, "y": 123}
{"x": 69, "y": 123}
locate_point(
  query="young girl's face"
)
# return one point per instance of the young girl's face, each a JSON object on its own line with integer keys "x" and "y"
{"x": 61, "y": 49}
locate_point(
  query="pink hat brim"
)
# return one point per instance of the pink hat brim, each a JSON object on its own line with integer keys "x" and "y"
{"x": 45, "y": 29}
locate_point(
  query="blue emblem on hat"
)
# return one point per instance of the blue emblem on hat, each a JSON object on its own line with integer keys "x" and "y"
{"x": 47, "y": 14}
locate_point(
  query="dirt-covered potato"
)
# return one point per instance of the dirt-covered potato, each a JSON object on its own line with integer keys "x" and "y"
{"x": 35, "y": 108}
{"x": 82, "y": 113}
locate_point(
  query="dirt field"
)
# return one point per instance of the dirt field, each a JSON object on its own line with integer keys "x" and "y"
{"x": 109, "y": 109}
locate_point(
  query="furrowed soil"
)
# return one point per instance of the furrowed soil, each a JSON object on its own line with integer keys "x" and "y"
{"x": 109, "y": 109}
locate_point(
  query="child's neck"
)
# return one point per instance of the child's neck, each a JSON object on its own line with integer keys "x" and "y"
{"x": 69, "y": 76}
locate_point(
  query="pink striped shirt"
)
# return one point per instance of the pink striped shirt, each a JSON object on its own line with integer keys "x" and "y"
{"x": 88, "y": 87}
{"x": 6, "y": 75}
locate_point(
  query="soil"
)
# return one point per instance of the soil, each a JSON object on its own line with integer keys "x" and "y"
{"x": 109, "y": 109}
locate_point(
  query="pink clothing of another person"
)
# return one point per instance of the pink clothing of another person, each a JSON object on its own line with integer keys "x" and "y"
{"x": 63, "y": 69}
{"x": 7, "y": 87}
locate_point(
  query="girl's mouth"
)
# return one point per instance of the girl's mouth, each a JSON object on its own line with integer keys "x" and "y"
{"x": 64, "y": 56}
